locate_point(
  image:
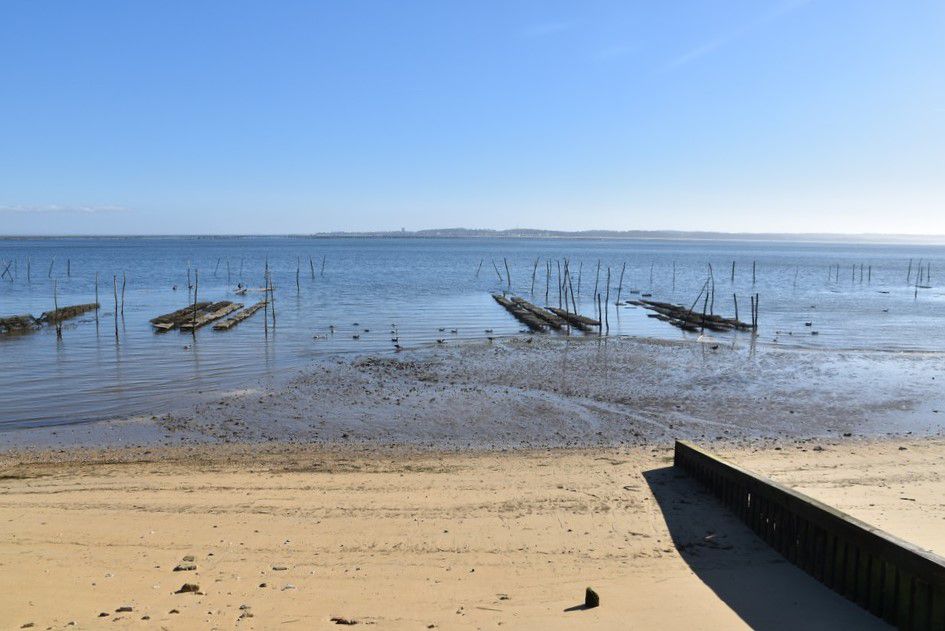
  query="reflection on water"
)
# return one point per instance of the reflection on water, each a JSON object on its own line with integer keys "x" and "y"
{"x": 415, "y": 290}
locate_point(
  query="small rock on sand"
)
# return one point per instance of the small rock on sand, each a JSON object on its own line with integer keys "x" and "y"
{"x": 591, "y": 599}
{"x": 188, "y": 588}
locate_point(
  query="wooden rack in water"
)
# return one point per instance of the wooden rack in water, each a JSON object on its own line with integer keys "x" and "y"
{"x": 215, "y": 312}
{"x": 245, "y": 314}
{"x": 26, "y": 323}
{"x": 687, "y": 320}
{"x": 575, "y": 319}
{"x": 552, "y": 320}
{"x": 520, "y": 313}
{"x": 538, "y": 319}
{"x": 173, "y": 319}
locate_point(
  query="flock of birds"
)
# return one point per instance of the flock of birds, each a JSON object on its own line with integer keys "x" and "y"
{"x": 395, "y": 334}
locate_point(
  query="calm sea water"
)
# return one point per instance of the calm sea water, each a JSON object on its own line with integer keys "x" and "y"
{"x": 420, "y": 288}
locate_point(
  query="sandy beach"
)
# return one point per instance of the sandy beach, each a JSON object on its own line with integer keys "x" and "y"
{"x": 291, "y": 537}
{"x": 476, "y": 486}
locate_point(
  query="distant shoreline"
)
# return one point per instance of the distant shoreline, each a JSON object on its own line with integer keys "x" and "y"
{"x": 534, "y": 234}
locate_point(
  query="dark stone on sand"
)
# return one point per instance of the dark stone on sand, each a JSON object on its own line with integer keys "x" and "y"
{"x": 124, "y": 609}
{"x": 344, "y": 621}
{"x": 104, "y": 614}
{"x": 591, "y": 599}
{"x": 188, "y": 588}
{"x": 185, "y": 566}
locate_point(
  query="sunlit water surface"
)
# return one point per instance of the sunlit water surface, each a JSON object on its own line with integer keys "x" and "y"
{"x": 420, "y": 288}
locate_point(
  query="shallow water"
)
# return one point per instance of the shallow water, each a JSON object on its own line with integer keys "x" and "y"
{"x": 415, "y": 287}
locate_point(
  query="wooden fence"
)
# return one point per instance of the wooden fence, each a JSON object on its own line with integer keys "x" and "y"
{"x": 889, "y": 577}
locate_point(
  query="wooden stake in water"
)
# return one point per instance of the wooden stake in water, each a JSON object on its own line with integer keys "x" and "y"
{"x": 323, "y": 263}
{"x": 124, "y": 280}
{"x": 733, "y": 271}
{"x": 272, "y": 297}
{"x": 909, "y": 273}
{"x": 217, "y": 268}
{"x": 735, "y": 301}
{"x": 496, "y": 268}
{"x": 596, "y": 280}
{"x": 547, "y": 280}
{"x": 508, "y": 274}
{"x": 620, "y": 285}
{"x": 607, "y": 302}
{"x": 558, "y": 261}
{"x": 600, "y": 325}
{"x": 651, "y": 275}
{"x": 311, "y": 267}
{"x": 580, "y": 270}
{"x": 56, "y": 310}
{"x": 68, "y": 268}
{"x": 534, "y": 271}
{"x": 96, "y": 298}
{"x": 753, "y": 272}
{"x": 51, "y": 263}
{"x": 479, "y": 268}
{"x": 298, "y": 271}
{"x": 674, "y": 275}
{"x": 115, "y": 292}
{"x": 193, "y": 328}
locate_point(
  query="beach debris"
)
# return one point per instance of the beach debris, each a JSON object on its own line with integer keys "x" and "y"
{"x": 591, "y": 599}
{"x": 104, "y": 614}
{"x": 188, "y": 588}
{"x": 186, "y": 564}
{"x": 124, "y": 609}
{"x": 344, "y": 621}
{"x": 279, "y": 568}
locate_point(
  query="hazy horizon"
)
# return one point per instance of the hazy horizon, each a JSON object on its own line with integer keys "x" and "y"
{"x": 779, "y": 116}
{"x": 864, "y": 238}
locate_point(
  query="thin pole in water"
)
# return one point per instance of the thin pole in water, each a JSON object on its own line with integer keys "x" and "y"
{"x": 56, "y": 310}
{"x": 115, "y": 291}
{"x": 620, "y": 286}
{"x": 534, "y": 270}
{"x": 193, "y": 328}
{"x": 508, "y": 274}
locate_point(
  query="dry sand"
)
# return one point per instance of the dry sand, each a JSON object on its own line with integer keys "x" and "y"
{"x": 407, "y": 539}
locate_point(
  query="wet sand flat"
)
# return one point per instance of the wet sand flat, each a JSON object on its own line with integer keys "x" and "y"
{"x": 410, "y": 539}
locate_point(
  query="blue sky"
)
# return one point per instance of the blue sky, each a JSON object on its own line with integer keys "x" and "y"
{"x": 284, "y": 117}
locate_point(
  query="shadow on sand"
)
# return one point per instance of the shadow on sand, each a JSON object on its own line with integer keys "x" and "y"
{"x": 757, "y": 583}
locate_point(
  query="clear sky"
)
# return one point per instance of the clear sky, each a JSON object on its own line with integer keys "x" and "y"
{"x": 285, "y": 117}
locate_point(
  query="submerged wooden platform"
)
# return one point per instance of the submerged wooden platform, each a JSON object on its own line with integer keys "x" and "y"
{"x": 245, "y": 314}
{"x": 575, "y": 319}
{"x": 520, "y": 313}
{"x": 213, "y": 313}
{"x": 168, "y": 321}
{"x": 66, "y": 313}
{"x": 681, "y": 317}
{"x": 552, "y": 320}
